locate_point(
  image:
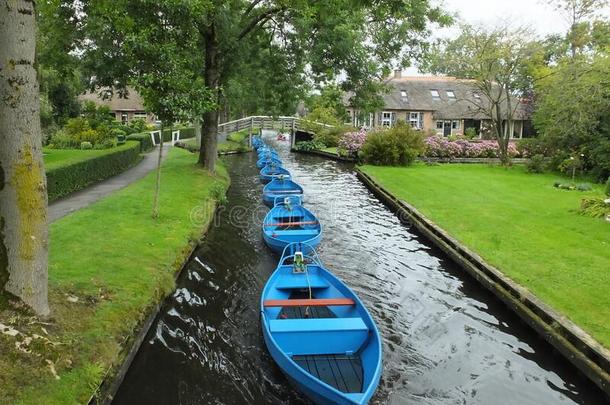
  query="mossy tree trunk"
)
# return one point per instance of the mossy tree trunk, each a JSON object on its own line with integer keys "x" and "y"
{"x": 23, "y": 192}
{"x": 208, "y": 151}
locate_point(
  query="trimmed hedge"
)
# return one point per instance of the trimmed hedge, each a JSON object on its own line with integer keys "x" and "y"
{"x": 144, "y": 139}
{"x": 70, "y": 177}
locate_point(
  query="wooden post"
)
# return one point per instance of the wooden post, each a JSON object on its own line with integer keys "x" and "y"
{"x": 294, "y": 130}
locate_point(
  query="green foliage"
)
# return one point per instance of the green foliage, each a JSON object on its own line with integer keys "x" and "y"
{"x": 331, "y": 100}
{"x": 308, "y": 146}
{"x": 396, "y": 146}
{"x": 533, "y": 146}
{"x": 469, "y": 133}
{"x": 146, "y": 143}
{"x": 572, "y": 111}
{"x": 63, "y": 179}
{"x": 536, "y": 164}
{"x": 86, "y": 145}
{"x": 330, "y": 136}
{"x": 607, "y": 190}
{"x": 584, "y": 187}
{"x": 218, "y": 193}
{"x": 137, "y": 125}
{"x": 594, "y": 207}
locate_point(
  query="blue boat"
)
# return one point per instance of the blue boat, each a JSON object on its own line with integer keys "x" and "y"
{"x": 257, "y": 142}
{"x": 287, "y": 222}
{"x": 268, "y": 154}
{"x": 319, "y": 332}
{"x": 280, "y": 187}
{"x": 264, "y": 161}
{"x": 271, "y": 171}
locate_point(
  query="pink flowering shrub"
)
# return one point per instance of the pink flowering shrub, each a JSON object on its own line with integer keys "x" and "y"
{"x": 438, "y": 147}
{"x": 351, "y": 142}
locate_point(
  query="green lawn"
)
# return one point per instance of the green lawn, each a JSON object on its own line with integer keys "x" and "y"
{"x": 109, "y": 264}
{"x": 332, "y": 150}
{"x": 521, "y": 224}
{"x": 55, "y": 157}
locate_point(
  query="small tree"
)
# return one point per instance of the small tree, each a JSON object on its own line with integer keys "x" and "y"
{"x": 495, "y": 60}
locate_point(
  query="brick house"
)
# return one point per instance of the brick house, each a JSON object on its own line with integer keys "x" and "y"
{"x": 443, "y": 105}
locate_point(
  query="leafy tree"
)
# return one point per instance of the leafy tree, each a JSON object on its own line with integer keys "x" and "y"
{"x": 23, "y": 193}
{"x": 496, "y": 60}
{"x": 330, "y": 99}
{"x": 355, "y": 38}
{"x": 572, "y": 112}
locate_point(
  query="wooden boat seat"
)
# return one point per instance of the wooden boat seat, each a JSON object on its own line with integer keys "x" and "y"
{"x": 305, "y": 232}
{"x": 316, "y": 302}
{"x": 299, "y": 281}
{"x": 293, "y": 223}
{"x": 319, "y": 336}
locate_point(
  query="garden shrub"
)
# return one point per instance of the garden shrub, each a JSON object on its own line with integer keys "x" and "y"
{"x": 351, "y": 142}
{"x": 330, "y": 136}
{"x": 70, "y": 177}
{"x": 307, "y": 146}
{"x": 470, "y": 133}
{"x": 137, "y": 125}
{"x": 439, "y": 147}
{"x": 533, "y": 146}
{"x": 144, "y": 139}
{"x": 86, "y": 145}
{"x": 594, "y": 207}
{"x": 536, "y": 164}
{"x": 399, "y": 145}
{"x": 583, "y": 187}
{"x": 608, "y": 187}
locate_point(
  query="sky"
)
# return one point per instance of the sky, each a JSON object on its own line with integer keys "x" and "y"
{"x": 536, "y": 14}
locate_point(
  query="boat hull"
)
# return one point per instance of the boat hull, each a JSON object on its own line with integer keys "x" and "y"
{"x": 278, "y": 245}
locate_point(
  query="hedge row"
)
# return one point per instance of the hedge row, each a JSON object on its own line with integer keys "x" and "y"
{"x": 70, "y": 177}
{"x": 146, "y": 142}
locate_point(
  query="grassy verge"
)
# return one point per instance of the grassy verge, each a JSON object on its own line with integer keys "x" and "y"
{"x": 521, "y": 224}
{"x": 236, "y": 142}
{"x": 54, "y": 158}
{"x": 109, "y": 264}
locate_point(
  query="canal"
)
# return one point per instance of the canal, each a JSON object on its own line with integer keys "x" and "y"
{"x": 446, "y": 341}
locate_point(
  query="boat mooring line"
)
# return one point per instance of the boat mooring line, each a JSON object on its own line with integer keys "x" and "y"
{"x": 576, "y": 345}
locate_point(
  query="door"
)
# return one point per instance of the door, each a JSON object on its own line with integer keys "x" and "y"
{"x": 447, "y": 128}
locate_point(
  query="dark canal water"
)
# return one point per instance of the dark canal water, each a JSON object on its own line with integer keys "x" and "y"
{"x": 445, "y": 340}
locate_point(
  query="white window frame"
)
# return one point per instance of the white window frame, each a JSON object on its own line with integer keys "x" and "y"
{"x": 415, "y": 117}
{"x": 386, "y": 119}
{"x": 436, "y": 95}
{"x": 455, "y": 124}
{"x": 450, "y": 94}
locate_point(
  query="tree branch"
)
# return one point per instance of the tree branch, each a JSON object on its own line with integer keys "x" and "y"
{"x": 262, "y": 17}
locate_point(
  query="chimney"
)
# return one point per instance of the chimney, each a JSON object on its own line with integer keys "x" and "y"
{"x": 397, "y": 73}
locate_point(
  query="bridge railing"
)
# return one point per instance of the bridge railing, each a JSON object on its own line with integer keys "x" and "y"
{"x": 266, "y": 122}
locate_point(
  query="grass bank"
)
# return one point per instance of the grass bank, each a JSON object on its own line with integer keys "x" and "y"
{"x": 110, "y": 264}
{"x": 236, "y": 142}
{"x": 521, "y": 224}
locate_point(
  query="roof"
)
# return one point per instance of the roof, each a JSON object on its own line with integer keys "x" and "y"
{"x": 131, "y": 102}
{"x": 419, "y": 97}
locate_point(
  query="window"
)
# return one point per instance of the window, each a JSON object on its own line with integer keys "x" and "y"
{"x": 455, "y": 124}
{"x": 386, "y": 119}
{"x": 416, "y": 120}
{"x": 350, "y": 118}
{"x": 435, "y": 94}
{"x": 451, "y": 94}
{"x": 140, "y": 115}
{"x": 439, "y": 124}
{"x": 403, "y": 94}
{"x": 476, "y": 95}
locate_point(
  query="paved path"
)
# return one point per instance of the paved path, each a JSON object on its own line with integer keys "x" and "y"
{"x": 87, "y": 196}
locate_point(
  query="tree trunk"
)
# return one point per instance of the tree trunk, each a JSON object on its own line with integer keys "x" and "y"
{"x": 155, "y": 211}
{"x": 208, "y": 151}
{"x": 197, "y": 123}
{"x": 23, "y": 184}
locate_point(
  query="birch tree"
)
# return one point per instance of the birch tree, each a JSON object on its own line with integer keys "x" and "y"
{"x": 23, "y": 193}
